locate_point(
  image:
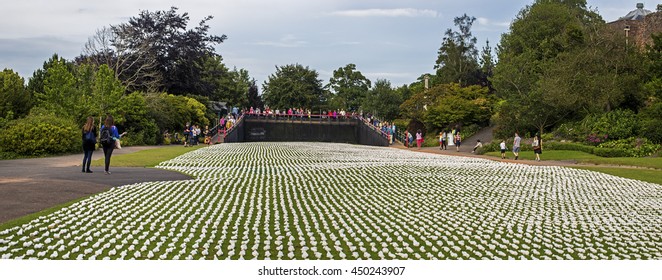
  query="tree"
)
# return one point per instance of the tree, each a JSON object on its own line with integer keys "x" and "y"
{"x": 294, "y": 86}
{"x": 487, "y": 65}
{"x": 537, "y": 60}
{"x": 349, "y": 88}
{"x": 155, "y": 50}
{"x": 136, "y": 67}
{"x": 457, "y": 62}
{"x": 383, "y": 101}
{"x": 15, "y": 100}
{"x": 254, "y": 98}
{"x": 107, "y": 94}
{"x": 59, "y": 92}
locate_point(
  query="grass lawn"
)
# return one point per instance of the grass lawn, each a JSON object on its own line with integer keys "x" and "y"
{"x": 582, "y": 157}
{"x": 647, "y": 175}
{"x": 148, "y": 158}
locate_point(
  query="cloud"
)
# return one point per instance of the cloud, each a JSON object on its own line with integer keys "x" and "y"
{"x": 487, "y": 22}
{"x": 287, "y": 41}
{"x": 404, "y": 12}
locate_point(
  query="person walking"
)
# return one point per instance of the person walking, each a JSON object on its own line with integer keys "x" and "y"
{"x": 410, "y": 139}
{"x": 516, "y": 145}
{"x": 444, "y": 140}
{"x": 419, "y": 139}
{"x": 537, "y": 146}
{"x": 458, "y": 141}
{"x": 441, "y": 140}
{"x": 503, "y": 149}
{"x": 109, "y": 134}
{"x": 89, "y": 143}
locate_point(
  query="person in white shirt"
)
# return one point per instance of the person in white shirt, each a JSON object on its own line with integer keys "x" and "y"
{"x": 478, "y": 145}
{"x": 503, "y": 149}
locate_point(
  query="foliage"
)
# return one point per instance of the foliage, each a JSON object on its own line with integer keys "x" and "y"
{"x": 454, "y": 105}
{"x": 254, "y": 98}
{"x": 140, "y": 128}
{"x": 560, "y": 61}
{"x": 457, "y": 57}
{"x": 349, "y": 88}
{"x": 172, "y": 112}
{"x": 155, "y": 50}
{"x": 382, "y": 101}
{"x": 630, "y": 147}
{"x": 650, "y": 122}
{"x": 41, "y": 134}
{"x": 59, "y": 93}
{"x": 15, "y": 100}
{"x": 294, "y": 86}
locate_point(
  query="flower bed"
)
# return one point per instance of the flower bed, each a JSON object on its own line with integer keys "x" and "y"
{"x": 338, "y": 201}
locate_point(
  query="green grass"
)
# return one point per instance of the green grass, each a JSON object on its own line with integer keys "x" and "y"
{"x": 652, "y": 175}
{"x": 148, "y": 158}
{"x": 646, "y": 175}
{"x": 586, "y": 158}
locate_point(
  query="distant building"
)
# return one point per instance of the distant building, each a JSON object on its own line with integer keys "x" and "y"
{"x": 638, "y": 25}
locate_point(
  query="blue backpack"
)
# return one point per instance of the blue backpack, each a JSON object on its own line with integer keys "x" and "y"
{"x": 90, "y": 137}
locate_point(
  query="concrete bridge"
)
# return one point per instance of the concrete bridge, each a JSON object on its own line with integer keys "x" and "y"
{"x": 314, "y": 128}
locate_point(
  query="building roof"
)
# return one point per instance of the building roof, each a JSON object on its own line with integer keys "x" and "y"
{"x": 639, "y": 14}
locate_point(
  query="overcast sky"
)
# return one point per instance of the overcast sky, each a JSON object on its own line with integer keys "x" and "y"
{"x": 395, "y": 40}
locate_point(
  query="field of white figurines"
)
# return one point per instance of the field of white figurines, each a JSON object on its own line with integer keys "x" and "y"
{"x": 312, "y": 201}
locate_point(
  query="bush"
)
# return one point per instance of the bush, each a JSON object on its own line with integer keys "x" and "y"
{"x": 38, "y": 135}
{"x": 650, "y": 122}
{"x": 631, "y": 147}
{"x": 610, "y": 152}
{"x": 568, "y": 146}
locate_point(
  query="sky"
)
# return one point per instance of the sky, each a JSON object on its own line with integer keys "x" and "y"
{"x": 396, "y": 40}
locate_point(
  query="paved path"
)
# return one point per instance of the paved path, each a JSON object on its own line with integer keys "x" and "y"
{"x": 31, "y": 185}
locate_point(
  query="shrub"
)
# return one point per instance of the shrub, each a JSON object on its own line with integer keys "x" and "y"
{"x": 41, "y": 134}
{"x": 630, "y": 147}
{"x": 611, "y": 152}
{"x": 650, "y": 122}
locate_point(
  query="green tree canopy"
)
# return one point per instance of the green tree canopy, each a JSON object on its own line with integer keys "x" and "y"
{"x": 457, "y": 60}
{"x": 383, "y": 101}
{"x": 349, "y": 88}
{"x": 294, "y": 86}
{"x": 15, "y": 99}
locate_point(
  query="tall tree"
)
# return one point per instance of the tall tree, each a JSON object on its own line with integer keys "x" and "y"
{"x": 59, "y": 91}
{"x": 543, "y": 73}
{"x": 135, "y": 66}
{"x": 294, "y": 86}
{"x": 383, "y": 101}
{"x": 15, "y": 100}
{"x": 349, "y": 88}
{"x": 254, "y": 98}
{"x": 156, "y": 50}
{"x": 457, "y": 60}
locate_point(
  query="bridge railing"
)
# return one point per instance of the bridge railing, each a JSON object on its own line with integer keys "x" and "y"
{"x": 316, "y": 118}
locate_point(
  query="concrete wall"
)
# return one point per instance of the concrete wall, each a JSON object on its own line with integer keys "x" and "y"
{"x": 349, "y": 131}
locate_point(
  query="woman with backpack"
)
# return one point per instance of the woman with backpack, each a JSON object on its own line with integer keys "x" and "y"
{"x": 108, "y": 136}
{"x": 89, "y": 142}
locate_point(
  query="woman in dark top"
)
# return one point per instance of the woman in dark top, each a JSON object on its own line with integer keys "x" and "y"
{"x": 110, "y": 146}
{"x": 89, "y": 142}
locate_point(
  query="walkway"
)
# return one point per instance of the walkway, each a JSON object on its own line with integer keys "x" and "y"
{"x": 30, "y": 185}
